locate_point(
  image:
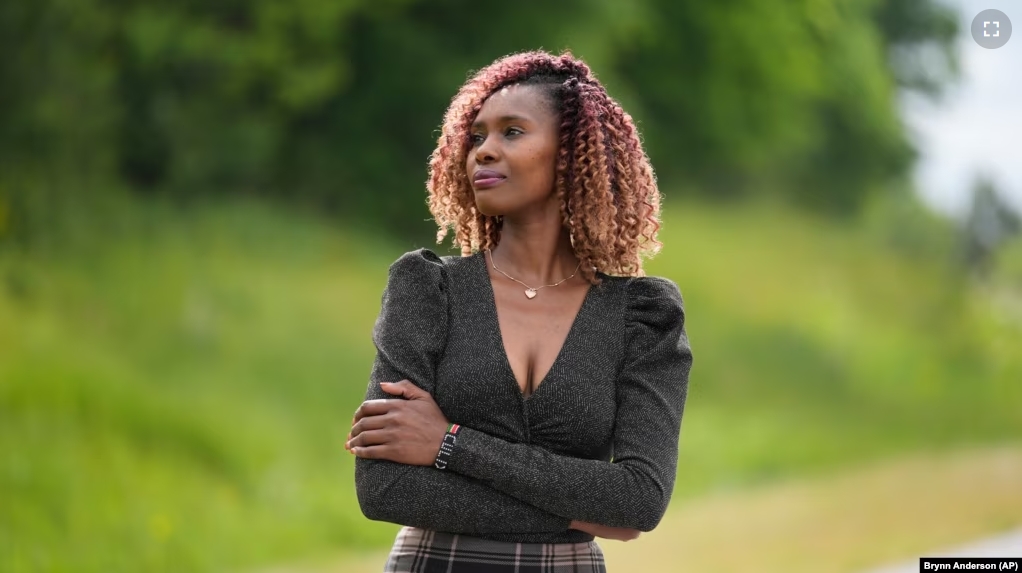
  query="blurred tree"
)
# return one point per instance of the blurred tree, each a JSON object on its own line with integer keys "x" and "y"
{"x": 335, "y": 103}
{"x": 55, "y": 112}
{"x": 991, "y": 224}
{"x": 750, "y": 96}
{"x": 918, "y": 38}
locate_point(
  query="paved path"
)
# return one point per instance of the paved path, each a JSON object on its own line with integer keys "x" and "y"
{"x": 1006, "y": 545}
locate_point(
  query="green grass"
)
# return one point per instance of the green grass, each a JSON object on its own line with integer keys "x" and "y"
{"x": 815, "y": 346}
{"x": 173, "y": 396}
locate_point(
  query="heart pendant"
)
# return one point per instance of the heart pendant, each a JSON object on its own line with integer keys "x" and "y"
{"x": 531, "y": 293}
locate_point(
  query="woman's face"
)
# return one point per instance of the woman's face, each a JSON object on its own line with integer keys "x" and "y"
{"x": 512, "y": 161}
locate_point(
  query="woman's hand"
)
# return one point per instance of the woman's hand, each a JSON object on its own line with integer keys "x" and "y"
{"x": 407, "y": 431}
{"x": 606, "y": 532}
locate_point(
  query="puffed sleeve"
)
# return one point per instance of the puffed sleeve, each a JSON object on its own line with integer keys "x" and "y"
{"x": 634, "y": 489}
{"x": 410, "y": 335}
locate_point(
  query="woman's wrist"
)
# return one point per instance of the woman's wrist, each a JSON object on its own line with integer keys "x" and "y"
{"x": 447, "y": 445}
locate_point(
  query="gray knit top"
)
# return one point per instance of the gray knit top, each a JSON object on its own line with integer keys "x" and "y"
{"x": 597, "y": 441}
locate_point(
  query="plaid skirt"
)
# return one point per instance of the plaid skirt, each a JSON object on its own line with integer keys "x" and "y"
{"x": 423, "y": 551}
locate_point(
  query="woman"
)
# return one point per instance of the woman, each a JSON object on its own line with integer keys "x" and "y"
{"x": 527, "y": 396}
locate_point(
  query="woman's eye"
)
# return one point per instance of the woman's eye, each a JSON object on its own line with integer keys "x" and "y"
{"x": 476, "y": 138}
{"x": 513, "y": 131}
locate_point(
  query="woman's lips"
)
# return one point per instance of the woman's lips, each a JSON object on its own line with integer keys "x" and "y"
{"x": 487, "y": 182}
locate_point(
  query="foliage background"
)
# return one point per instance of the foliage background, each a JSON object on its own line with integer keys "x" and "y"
{"x": 336, "y": 104}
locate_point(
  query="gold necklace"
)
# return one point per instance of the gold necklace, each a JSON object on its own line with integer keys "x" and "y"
{"x": 530, "y": 292}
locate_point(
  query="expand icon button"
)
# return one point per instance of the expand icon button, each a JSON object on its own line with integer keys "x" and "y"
{"x": 991, "y": 29}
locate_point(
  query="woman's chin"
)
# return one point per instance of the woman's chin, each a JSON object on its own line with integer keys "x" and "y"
{"x": 488, "y": 208}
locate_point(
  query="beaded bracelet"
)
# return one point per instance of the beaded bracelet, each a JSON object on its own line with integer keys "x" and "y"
{"x": 447, "y": 446}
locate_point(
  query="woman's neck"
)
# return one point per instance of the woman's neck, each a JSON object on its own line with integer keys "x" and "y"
{"x": 536, "y": 253}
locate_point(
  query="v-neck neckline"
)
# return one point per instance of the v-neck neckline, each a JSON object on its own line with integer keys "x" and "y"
{"x": 499, "y": 335}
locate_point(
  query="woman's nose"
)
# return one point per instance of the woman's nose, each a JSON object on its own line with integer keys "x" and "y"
{"x": 486, "y": 153}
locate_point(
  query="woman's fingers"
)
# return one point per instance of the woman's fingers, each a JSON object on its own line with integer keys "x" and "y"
{"x": 374, "y": 408}
{"x": 621, "y": 533}
{"x": 367, "y": 439}
{"x": 371, "y": 415}
{"x": 407, "y": 430}
{"x": 370, "y": 423}
{"x": 406, "y": 389}
{"x": 370, "y": 452}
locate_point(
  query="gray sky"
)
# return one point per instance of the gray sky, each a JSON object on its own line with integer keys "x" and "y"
{"x": 977, "y": 125}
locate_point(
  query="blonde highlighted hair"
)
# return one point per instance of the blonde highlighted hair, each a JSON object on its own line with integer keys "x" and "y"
{"x": 607, "y": 189}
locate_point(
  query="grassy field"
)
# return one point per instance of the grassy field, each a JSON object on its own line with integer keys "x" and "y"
{"x": 174, "y": 394}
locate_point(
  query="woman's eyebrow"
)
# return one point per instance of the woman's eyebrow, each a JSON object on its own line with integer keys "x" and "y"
{"x": 503, "y": 119}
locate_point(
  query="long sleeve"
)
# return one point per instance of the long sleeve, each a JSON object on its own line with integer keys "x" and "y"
{"x": 410, "y": 335}
{"x": 635, "y": 488}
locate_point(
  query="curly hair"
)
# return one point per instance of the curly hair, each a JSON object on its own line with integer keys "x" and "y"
{"x": 607, "y": 189}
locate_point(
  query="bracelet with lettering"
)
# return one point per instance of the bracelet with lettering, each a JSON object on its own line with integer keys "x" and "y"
{"x": 447, "y": 446}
